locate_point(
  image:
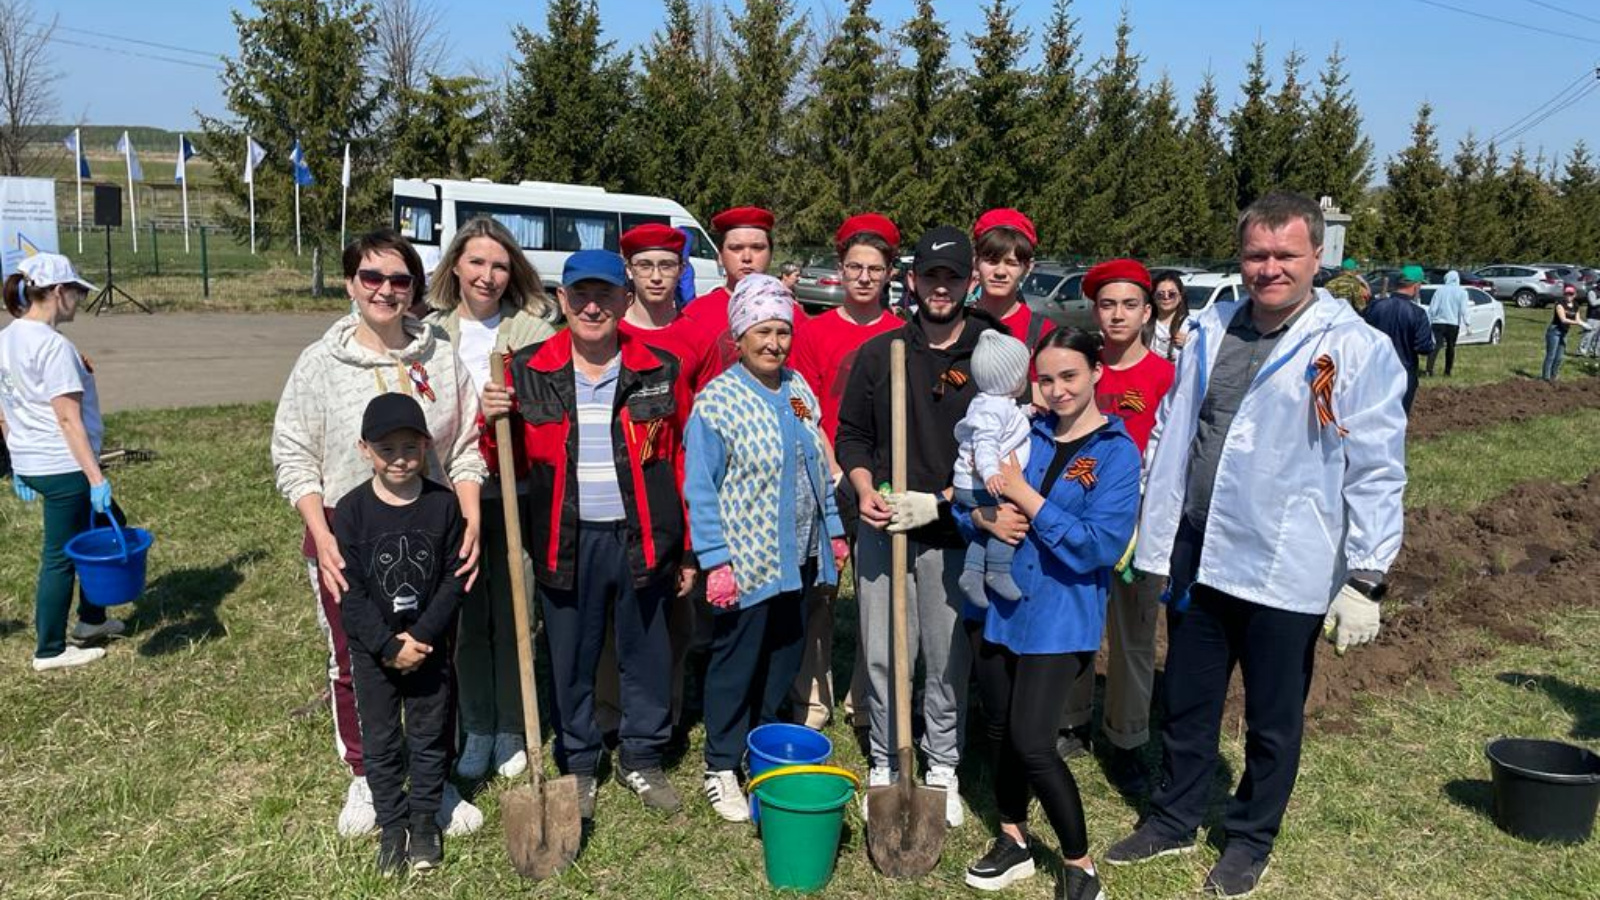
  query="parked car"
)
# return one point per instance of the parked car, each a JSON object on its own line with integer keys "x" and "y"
{"x": 1524, "y": 286}
{"x": 1202, "y": 290}
{"x": 820, "y": 284}
{"x": 1486, "y": 316}
{"x": 1056, "y": 292}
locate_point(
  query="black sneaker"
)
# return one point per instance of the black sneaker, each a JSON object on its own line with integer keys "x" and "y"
{"x": 1146, "y": 843}
{"x": 392, "y": 850}
{"x": 588, "y": 791}
{"x": 427, "y": 845}
{"x": 652, "y": 786}
{"x": 1073, "y": 742}
{"x": 1076, "y": 884}
{"x": 1126, "y": 771}
{"x": 1006, "y": 863}
{"x": 1236, "y": 874}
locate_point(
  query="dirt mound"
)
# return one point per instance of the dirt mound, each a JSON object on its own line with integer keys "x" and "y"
{"x": 1446, "y": 410}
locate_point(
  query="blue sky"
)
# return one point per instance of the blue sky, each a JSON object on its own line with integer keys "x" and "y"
{"x": 1479, "y": 74}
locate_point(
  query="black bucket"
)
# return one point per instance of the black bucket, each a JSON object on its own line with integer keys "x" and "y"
{"x": 1544, "y": 790}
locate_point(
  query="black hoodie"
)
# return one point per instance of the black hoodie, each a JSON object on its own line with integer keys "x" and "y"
{"x": 939, "y": 387}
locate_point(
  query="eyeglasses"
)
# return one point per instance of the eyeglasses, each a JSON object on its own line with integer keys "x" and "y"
{"x": 1167, "y": 295}
{"x": 854, "y": 270}
{"x": 372, "y": 279}
{"x": 647, "y": 267}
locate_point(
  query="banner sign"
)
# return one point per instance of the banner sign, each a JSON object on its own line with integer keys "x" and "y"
{"x": 27, "y": 220}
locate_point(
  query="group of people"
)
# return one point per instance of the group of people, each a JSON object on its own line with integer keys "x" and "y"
{"x": 699, "y": 477}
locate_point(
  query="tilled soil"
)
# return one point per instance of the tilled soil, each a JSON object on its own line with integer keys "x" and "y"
{"x": 1446, "y": 410}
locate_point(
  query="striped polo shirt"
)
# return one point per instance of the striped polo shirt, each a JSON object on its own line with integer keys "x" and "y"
{"x": 599, "y": 496}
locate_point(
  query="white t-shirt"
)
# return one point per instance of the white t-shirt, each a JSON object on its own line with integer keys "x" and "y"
{"x": 474, "y": 347}
{"x": 37, "y": 365}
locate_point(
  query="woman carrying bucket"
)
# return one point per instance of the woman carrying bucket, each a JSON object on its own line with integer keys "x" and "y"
{"x": 376, "y": 350}
{"x": 764, "y": 526}
{"x": 488, "y": 298}
{"x": 1080, "y": 492}
{"x": 53, "y": 431}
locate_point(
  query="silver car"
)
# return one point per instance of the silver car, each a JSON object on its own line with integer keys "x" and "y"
{"x": 1524, "y": 286}
{"x": 1056, "y": 292}
{"x": 820, "y": 284}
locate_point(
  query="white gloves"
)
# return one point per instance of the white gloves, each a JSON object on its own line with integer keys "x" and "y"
{"x": 1352, "y": 619}
{"x": 912, "y": 509}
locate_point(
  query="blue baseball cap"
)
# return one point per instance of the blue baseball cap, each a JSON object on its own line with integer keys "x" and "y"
{"x": 594, "y": 265}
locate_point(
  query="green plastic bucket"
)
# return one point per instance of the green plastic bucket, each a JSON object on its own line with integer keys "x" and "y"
{"x": 802, "y": 816}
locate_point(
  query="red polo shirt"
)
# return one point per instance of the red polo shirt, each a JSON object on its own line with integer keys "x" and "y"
{"x": 1134, "y": 394}
{"x": 827, "y": 353}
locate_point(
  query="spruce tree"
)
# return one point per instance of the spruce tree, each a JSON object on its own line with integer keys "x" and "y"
{"x": 568, "y": 93}
{"x": 1057, "y": 121}
{"x": 1112, "y": 155}
{"x": 1169, "y": 210}
{"x": 1480, "y": 235}
{"x": 1416, "y": 207}
{"x": 764, "y": 55}
{"x": 300, "y": 74}
{"x": 992, "y": 158}
{"x": 450, "y": 146}
{"x": 919, "y": 178}
{"x": 1289, "y": 120}
{"x": 667, "y": 125}
{"x": 1526, "y": 207}
{"x": 1577, "y": 237}
{"x": 1333, "y": 158}
{"x": 1203, "y": 144}
{"x": 1250, "y": 132}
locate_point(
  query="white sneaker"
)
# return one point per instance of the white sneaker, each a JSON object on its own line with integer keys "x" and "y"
{"x": 475, "y": 755}
{"x": 944, "y": 778}
{"x": 726, "y": 797}
{"x": 456, "y": 816}
{"x": 876, "y": 777}
{"x": 358, "y": 817}
{"x": 510, "y": 755}
{"x": 83, "y": 632}
{"x": 72, "y": 656}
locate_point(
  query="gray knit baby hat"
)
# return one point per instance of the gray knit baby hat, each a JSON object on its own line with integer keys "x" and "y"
{"x": 999, "y": 363}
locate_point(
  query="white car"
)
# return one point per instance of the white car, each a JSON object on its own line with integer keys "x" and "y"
{"x": 1486, "y": 316}
{"x": 1206, "y": 288}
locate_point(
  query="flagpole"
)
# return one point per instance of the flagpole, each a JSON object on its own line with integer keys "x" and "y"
{"x": 77, "y": 169}
{"x": 250, "y": 179}
{"x": 344, "y": 196}
{"x": 185, "y": 165}
{"x": 252, "y": 214}
{"x": 297, "y": 215}
{"x": 133, "y": 205}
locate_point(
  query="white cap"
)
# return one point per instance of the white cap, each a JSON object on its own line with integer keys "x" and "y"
{"x": 50, "y": 269}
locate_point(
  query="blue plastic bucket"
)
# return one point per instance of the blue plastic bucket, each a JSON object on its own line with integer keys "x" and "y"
{"x": 783, "y": 744}
{"x": 110, "y": 563}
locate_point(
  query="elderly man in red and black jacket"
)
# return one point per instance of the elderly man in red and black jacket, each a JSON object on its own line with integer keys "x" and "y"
{"x": 601, "y": 417}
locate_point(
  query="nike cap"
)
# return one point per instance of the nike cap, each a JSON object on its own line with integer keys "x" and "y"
{"x": 945, "y": 246}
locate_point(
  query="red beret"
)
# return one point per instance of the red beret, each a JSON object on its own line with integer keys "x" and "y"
{"x": 741, "y": 217}
{"x": 1005, "y": 218}
{"x": 867, "y": 223}
{"x": 651, "y": 236}
{"x": 1129, "y": 270}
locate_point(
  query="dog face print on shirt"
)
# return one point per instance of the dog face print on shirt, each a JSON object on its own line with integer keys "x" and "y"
{"x": 403, "y": 566}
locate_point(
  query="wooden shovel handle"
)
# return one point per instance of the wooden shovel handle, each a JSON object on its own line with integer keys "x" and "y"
{"x": 899, "y": 551}
{"x": 520, "y": 588}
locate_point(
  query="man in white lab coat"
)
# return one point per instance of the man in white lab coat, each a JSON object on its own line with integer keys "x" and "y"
{"x": 1274, "y": 507}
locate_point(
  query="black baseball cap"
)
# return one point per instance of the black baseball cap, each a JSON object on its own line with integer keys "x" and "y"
{"x": 945, "y": 246}
{"x": 388, "y": 413}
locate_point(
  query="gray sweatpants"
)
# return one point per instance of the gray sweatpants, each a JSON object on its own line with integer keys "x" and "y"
{"x": 933, "y": 618}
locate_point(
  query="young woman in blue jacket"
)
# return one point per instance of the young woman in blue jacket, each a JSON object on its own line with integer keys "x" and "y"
{"x": 1080, "y": 496}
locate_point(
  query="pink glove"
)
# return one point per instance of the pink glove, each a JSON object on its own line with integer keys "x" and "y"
{"x": 841, "y": 552}
{"x": 722, "y": 591}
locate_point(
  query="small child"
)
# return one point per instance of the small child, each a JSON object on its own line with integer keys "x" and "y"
{"x": 398, "y": 534}
{"x": 994, "y": 428}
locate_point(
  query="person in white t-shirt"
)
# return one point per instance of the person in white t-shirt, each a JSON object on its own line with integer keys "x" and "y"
{"x": 489, "y": 299}
{"x": 53, "y": 431}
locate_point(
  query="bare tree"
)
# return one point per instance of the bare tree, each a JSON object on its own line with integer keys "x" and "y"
{"x": 27, "y": 97}
{"x": 410, "y": 45}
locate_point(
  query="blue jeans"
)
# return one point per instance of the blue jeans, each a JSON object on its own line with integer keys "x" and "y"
{"x": 988, "y": 554}
{"x": 1555, "y": 346}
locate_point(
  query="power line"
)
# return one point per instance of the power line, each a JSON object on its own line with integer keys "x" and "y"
{"x": 1558, "y": 109}
{"x": 181, "y": 62}
{"x": 1560, "y": 95}
{"x": 1512, "y": 22}
{"x": 117, "y": 37}
{"x": 1569, "y": 12}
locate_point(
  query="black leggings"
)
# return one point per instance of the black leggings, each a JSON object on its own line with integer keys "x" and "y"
{"x": 1023, "y": 698}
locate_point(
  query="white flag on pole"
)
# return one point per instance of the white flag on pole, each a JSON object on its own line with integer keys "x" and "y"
{"x": 254, "y": 153}
{"x": 344, "y": 193}
{"x": 125, "y": 147}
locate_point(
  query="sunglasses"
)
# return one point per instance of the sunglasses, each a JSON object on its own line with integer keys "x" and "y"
{"x": 372, "y": 279}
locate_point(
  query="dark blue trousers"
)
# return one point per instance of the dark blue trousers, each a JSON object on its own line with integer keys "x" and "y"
{"x": 1274, "y": 650}
{"x": 575, "y": 626}
{"x": 755, "y": 655}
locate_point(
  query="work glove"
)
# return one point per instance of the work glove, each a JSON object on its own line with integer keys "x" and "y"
{"x": 1352, "y": 618}
{"x": 841, "y": 551}
{"x": 912, "y": 509}
{"x": 24, "y": 493}
{"x": 1124, "y": 569}
{"x": 100, "y": 497}
{"x": 722, "y": 591}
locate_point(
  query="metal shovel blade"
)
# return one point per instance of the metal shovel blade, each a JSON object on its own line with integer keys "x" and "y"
{"x": 905, "y": 828}
{"x": 543, "y": 833}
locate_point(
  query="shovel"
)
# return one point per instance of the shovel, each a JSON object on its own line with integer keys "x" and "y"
{"x": 905, "y": 821}
{"x": 544, "y": 827}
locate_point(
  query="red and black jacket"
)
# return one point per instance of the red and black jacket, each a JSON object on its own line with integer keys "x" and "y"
{"x": 650, "y": 411}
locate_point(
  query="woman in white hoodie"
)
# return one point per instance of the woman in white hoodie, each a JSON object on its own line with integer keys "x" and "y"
{"x": 375, "y": 350}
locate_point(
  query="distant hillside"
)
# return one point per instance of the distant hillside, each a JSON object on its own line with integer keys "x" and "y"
{"x": 104, "y": 137}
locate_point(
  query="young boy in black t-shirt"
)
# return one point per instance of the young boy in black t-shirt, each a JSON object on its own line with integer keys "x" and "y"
{"x": 396, "y": 533}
